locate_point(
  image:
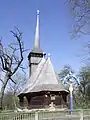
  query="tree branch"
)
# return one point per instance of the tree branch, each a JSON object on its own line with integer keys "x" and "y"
{"x": 12, "y": 80}
{"x": 18, "y": 37}
{"x": 2, "y": 81}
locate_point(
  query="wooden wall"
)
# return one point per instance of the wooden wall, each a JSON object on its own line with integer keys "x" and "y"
{"x": 44, "y": 101}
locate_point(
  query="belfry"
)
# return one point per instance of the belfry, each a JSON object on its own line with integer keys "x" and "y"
{"x": 43, "y": 87}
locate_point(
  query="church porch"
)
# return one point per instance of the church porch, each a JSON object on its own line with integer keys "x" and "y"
{"x": 44, "y": 99}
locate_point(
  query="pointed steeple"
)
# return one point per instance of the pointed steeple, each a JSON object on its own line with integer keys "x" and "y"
{"x": 36, "y": 54}
{"x": 37, "y": 36}
{"x": 37, "y": 41}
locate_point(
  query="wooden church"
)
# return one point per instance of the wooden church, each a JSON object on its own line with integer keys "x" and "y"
{"x": 43, "y": 87}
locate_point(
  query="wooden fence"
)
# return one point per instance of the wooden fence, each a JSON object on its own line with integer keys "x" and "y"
{"x": 46, "y": 115}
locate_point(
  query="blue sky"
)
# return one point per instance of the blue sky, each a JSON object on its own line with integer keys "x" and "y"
{"x": 55, "y": 27}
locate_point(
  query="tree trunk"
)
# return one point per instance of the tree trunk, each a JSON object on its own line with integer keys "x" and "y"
{"x": 1, "y": 98}
{"x": 14, "y": 100}
{"x": 2, "y": 92}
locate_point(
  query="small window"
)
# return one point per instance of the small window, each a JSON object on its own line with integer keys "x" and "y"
{"x": 52, "y": 97}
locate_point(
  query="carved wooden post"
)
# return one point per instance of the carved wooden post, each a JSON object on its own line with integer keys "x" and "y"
{"x": 81, "y": 115}
{"x": 71, "y": 96}
{"x": 21, "y": 100}
{"x": 36, "y": 115}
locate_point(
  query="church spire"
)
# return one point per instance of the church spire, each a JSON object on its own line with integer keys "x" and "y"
{"x": 36, "y": 55}
{"x": 37, "y": 40}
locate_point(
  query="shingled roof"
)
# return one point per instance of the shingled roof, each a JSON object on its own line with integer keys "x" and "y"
{"x": 43, "y": 79}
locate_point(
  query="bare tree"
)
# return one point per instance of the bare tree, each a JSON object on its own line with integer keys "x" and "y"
{"x": 11, "y": 60}
{"x": 20, "y": 79}
{"x": 81, "y": 15}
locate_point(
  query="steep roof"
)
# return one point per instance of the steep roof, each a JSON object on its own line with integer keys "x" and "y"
{"x": 43, "y": 79}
